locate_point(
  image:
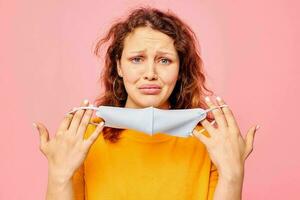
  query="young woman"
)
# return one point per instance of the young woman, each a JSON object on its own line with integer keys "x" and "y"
{"x": 151, "y": 60}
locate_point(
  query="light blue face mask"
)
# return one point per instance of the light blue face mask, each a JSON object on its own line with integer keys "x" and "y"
{"x": 150, "y": 120}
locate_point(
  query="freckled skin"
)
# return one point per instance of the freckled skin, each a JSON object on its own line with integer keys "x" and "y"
{"x": 148, "y": 57}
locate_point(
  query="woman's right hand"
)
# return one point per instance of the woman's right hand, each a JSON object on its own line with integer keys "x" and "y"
{"x": 67, "y": 150}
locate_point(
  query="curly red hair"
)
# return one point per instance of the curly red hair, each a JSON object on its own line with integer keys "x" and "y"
{"x": 190, "y": 89}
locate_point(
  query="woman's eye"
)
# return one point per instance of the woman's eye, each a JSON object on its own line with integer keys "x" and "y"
{"x": 165, "y": 61}
{"x": 136, "y": 60}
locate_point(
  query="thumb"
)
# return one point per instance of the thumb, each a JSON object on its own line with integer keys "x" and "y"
{"x": 44, "y": 134}
{"x": 250, "y": 140}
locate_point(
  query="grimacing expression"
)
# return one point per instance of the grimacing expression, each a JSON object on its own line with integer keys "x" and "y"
{"x": 149, "y": 66}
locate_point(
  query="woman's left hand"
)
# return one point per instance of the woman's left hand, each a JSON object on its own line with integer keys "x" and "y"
{"x": 227, "y": 148}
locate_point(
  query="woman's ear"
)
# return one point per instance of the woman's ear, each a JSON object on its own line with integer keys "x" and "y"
{"x": 120, "y": 73}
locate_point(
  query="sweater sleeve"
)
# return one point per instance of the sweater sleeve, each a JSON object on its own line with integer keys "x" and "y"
{"x": 78, "y": 183}
{"x": 213, "y": 180}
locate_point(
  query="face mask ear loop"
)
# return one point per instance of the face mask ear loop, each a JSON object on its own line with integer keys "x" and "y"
{"x": 208, "y": 110}
{"x": 83, "y": 107}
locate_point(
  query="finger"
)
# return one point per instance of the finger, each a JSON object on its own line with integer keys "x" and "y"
{"x": 217, "y": 112}
{"x": 208, "y": 126}
{"x": 77, "y": 118}
{"x": 214, "y": 124}
{"x": 44, "y": 134}
{"x": 64, "y": 125}
{"x": 249, "y": 140}
{"x": 200, "y": 136}
{"x": 231, "y": 122}
{"x": 95, "y": 134}
{"x": 84, "y": 123}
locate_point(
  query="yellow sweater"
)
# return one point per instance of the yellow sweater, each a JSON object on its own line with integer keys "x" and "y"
{"x": 144, "y": 167}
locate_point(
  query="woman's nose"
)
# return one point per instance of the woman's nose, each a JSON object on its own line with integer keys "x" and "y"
{"x": 150, "y": 72}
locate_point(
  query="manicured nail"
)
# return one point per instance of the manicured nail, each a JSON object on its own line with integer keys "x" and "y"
{"x": 101, "y": 123}
{"x": 257, "y": 127}
{"x": 207, "y": 99}
{"x": 86, "y": 101}
{"x": 218, "y": 98}
{"x": 36, "y": 126}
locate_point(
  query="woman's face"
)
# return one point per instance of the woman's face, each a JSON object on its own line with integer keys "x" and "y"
{"x": 149, "y": 66}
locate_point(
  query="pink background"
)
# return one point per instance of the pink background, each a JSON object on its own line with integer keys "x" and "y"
{"x": 251, "y": 54}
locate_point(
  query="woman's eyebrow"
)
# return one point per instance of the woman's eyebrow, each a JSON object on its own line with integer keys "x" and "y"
{"x": 159, "y": 52}
{"x": 166, "y": 52}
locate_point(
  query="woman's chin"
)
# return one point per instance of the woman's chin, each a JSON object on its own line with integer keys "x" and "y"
{"x": 145, "y": 101}
{"x": 154, "y": 104}
{"x": 146, "y": 104}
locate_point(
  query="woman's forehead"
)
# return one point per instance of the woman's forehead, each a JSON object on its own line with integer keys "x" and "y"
{"x": 146, "y": 38}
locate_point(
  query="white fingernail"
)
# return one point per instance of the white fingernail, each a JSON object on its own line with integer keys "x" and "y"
{"x": 207, "y": 98}
{"x": 86, "y": 101}
{"x": 101, "y": 124}
{"x": 34, "y": 124}
{"x": 218, "y": 98}
{"x": 257, "y": 127}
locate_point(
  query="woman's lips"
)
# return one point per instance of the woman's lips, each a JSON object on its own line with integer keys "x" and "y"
{"x": 150, "y": 90}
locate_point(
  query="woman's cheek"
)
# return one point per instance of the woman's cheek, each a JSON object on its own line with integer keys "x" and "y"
{"x": 169, "y": 77}
{"x": 132, "y": 77}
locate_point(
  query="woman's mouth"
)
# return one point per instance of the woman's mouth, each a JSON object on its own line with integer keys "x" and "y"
{"x": 150, "y": 90}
